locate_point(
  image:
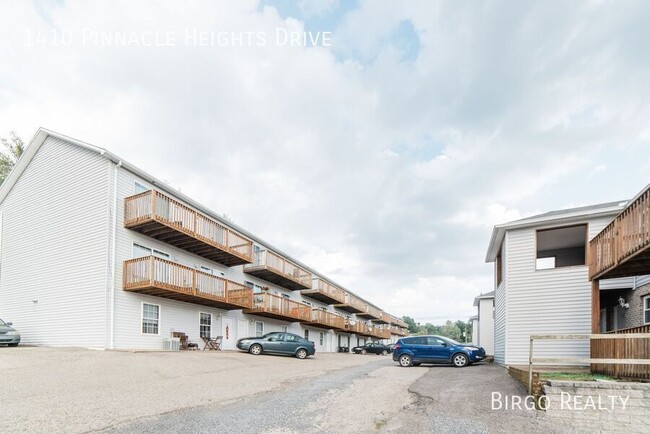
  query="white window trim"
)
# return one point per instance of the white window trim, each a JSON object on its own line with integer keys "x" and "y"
{"x": 135, "y": 186}
{"x": 133, "y": 244}
{"x": 142, "y": 318}
{"x": 645, "y": 309}
{"x": 256, "y": 323}
{"x": 211, "y": 323}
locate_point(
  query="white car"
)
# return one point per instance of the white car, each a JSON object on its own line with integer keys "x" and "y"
{"x": 8, "y": 334}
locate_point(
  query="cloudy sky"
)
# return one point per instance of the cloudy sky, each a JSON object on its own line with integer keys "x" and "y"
{"x": 380, "y": 147}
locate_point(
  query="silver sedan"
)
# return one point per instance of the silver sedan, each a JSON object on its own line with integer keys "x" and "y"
{"x": 8, "y": 334}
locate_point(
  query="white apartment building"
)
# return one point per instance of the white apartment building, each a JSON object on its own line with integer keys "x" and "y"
{"x": 95, "y": 252}
{"x": 483, "y": 322}
{"x": 542, "y": 284}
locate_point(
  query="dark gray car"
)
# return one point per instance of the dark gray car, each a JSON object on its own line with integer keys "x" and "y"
{"x": 278, "y": 343}
{"x": 8, "y": 334}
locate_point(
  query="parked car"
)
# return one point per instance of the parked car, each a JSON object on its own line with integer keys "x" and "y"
{"x": 372, "y": 347}
{"x": 414, "y": 350}
{"x": 8, "y": 334}
{"x": 278, "y": 343}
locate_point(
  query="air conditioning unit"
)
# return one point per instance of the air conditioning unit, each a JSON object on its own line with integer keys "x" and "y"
{"x": 172, "y": 344}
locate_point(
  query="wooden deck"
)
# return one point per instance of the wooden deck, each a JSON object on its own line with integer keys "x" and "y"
{"x": 156, "y": 215}
{"x": 633, "y": 348}
{"x": 358, "y": 328}
{"x": 325, "y": 292}
{"x": 274, "y": 268}
{"x": 399, "y": 331}
{"x": 384, "y": 318}
{"x": 352, "y": 304}
{"x": 370, "y": 312}
{"x": 163, "y": 278}
{"x": 622, "y": 248}
{"x": 398, "y": 322}
{"x": 277, "y": 307}
{"x": 326, "y": 320}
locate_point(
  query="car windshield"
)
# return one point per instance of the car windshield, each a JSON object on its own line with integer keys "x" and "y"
{"x": 2, "y": 323}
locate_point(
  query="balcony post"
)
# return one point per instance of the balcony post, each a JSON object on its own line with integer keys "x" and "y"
{"x": 195, "y": 289}
{"x": 153, "y": 204}
{"x": 595, "y": 306}
{"x": 151, "y": 270}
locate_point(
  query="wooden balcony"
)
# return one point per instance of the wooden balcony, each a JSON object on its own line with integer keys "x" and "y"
{"x": 278, "y": 307}
{"x": 380, "y": 332}
{"x": 384, "y": 318}
{"x": 159, "y": 216}
{"x": 274, "y": 268}
{"x": 352, "y": 304}
{"x": 326, "y": 320}
{"x": 163, "y": 278}
{"x": 358, "y": 328}
{"x": 398, "y": 331}
{"x": 325, "y": 292}
{"x": 622, "y": 248}
{"x": 398, "y": 322}
{"x": 370, "y": 312}
{"x": 633, "y": 348}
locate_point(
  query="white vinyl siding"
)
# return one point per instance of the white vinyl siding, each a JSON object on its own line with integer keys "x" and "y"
{"x": 55, "y": 242}
{"x": 554, "y": 301}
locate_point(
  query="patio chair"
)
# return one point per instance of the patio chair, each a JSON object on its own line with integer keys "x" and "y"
{"x": 213, "y": 343}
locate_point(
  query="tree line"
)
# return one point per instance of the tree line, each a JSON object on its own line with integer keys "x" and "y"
{"x": 460, "y": 331}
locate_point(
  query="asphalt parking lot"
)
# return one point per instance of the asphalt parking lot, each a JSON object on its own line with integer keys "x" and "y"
{"x": 76, "y": 390}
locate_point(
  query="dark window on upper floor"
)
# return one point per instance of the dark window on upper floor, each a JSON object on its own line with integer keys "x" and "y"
{"x": 561, "y": 247}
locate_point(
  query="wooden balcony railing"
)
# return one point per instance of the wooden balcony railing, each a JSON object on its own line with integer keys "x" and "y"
{"x": 358, "y": 328}
{"x": 352, "y": 304}
{"x": 398, "y": 321}
{"x": 275, "y": 306}
{"x": 325, "y": 292}
{"x": 274, "y": 268}
{"x": 399, "y": 331}
{"x": 164, "y": 278}
{"x": 159, "y": 216}
{"x": 321, "y": 318}
{"x": 370, "y": 312}
{"x": 622, "y": 248}
{"x": 632, "y": 348}
{"x": 384, "y": 318}
{"x": 381, "y": 332}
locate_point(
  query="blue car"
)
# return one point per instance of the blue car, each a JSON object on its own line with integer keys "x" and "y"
{"x": 415, "y": 350}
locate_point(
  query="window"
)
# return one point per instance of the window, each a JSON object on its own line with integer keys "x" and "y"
{"x": 291, "y": 338}
{"x": 646, "y": 310}
{"x": 259, "y": 329}
{"x": 286, "y": 296}
{"x": 150, "y": 318}
{"x": 561, "y": 247}
{"x": 205, "y": 325}
{"x": 140, "y": 188}
{"x": 321, "y": 338}
{"x": 306, "y": 334}
{"x": 417, "y": 341}
{"x": 436, "y": 341}
{"x": 283, "y": 329}
{"x": 499, "y": 268}
{"x": 206, "y": 269}
{"x": 139, "y": 251}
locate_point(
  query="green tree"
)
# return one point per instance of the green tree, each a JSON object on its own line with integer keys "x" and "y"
{"x": 411, "y": 325}
{"x": 15, "y": 146}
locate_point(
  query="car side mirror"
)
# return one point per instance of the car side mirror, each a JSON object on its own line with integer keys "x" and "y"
{"x": 9, "y": 324}
{"x": 444, "y": 344}
{"x": 270, "y": 339}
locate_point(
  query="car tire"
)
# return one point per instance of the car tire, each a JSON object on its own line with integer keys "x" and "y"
{"x": 13, "y": 345}
{"x": 383, "y": 353}
{"x": 255, "y": 349}
{"x": 417, "y": 364}
{"x": 301, "y": 353}
{"x": 405, "y": 361}
{"x": 460, "y": 360}
{"x": 363, "y": 351}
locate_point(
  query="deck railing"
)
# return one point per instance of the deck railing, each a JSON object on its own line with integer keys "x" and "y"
{"x": 154, "y": 205}
{"x": 398, "y": 321}
{"x": 279, "y": 265}
{"x": 625, "y": 236}
{"x": 372, "y": 311}
{"x": 381, "y": 332}
{"x": 326, "y": 288}
{"x": 354, "y": 302}
{"x": 399, "y": 331}
{"x": 164, "y": 274}
{"x": 632, "y": 348}
{"x": 327, "y": 318}
{"x": 275, "y": 304}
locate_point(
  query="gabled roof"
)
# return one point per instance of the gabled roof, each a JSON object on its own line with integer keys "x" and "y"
{"x": 564, "y": 216}
{"x": 486, "y": 296}
{"x": 42, "y": 134}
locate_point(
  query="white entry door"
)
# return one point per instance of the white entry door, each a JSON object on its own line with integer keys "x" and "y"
{"x": 228, "y": 333}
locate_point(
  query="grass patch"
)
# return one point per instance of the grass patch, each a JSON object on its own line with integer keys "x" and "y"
{"x": 574, "y": 376}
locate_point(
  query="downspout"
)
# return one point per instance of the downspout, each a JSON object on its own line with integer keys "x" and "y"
{"x": 111, "y": 343}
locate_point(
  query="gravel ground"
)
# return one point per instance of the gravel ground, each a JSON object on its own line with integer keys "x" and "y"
{"x": 76, "y": 390}
{"x": 451, "y": 400}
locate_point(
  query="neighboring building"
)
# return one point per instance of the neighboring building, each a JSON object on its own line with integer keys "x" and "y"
{"x": 485, "y": 322}
{"x": 542, "y": 284}
{"x": 94, "y": 252}
{"x": 473, "y": 321}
